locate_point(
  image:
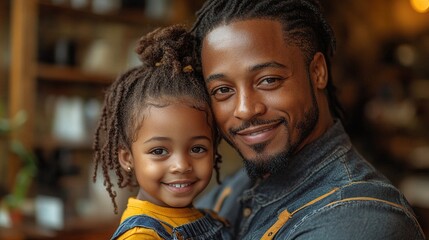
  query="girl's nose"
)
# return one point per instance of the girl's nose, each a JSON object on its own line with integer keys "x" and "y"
{"x": 181, "y": 165}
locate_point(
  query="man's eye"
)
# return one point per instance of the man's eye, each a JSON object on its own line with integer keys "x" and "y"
{"x": 269, "y": 80}
{"x": 198, "y": 150}
{"x": 222, "y": 90}
{"x": 270, "y": 83}
{"x": 222, "y": 93}
{"x": 159, "y": 151}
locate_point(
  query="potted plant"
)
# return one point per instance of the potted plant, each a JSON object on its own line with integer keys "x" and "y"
{"x": 11, "y": 203}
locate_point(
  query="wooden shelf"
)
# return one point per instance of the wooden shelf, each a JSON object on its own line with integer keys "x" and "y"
{"x": 126, "y": 16}
{"x": 51, "y": 143}
{"x": 71, "y": 74}
{"x": 75, "y": 228}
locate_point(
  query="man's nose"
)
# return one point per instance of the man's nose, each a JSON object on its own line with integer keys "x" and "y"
{"x": 249, "y": 106}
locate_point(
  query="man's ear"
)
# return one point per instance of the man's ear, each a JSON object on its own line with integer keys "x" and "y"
{"x": 319, "y": 71}
{"x": 125, "y": 159}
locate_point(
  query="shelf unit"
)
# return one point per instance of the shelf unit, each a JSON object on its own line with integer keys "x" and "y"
{"x": 28, "y": 74}
{"x": 35, "y": 80}
{"x": 70, "y": 74}
{"x": 4, "y": 85}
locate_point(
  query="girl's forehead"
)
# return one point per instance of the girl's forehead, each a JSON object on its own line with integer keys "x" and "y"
{"x": 175, "y": 121}
{"x": 180, "y": 100}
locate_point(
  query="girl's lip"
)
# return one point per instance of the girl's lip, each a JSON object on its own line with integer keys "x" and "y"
{"x": 180, "y": 186}
{"x": 180, "y": 181}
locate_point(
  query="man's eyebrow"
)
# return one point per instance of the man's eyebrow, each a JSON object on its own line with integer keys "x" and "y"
{"x": 253, "y": 68}
{"x": 214, "y": 77}
{"x": 272, "y": 64}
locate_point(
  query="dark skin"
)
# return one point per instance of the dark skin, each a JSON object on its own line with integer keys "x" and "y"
{"x": 266, "y": 99}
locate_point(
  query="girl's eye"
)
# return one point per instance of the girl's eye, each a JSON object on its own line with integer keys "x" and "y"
{"x": 198, "y": 149}
{"x": 159, "y": 151}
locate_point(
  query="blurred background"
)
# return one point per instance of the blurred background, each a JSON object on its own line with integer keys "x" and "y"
{"x": 58, "y": 56}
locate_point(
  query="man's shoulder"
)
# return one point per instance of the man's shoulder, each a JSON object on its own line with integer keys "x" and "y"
{"x": 359, "y": 210}
{"x": 220, "y": 197}
{"x": 240, "y": 176}
{"x": 356, "y": 219}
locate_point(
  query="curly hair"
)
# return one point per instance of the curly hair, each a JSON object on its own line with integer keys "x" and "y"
{"x": 303, "y": 25}
{"x": 165, "y": 75}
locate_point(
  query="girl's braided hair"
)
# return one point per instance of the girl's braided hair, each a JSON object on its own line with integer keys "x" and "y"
{"x": 166, "y": 75}
{"x": 304, "y": 25}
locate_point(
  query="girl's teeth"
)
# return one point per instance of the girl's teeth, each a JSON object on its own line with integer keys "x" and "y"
{"x": 180, "y": 185}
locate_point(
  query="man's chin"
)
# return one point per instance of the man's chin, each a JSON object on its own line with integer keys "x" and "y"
{"x": 260, "y": 167}
{"x": 255, "y": 170}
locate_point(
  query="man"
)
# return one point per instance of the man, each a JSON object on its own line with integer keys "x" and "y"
{"x": 266, "y": 64}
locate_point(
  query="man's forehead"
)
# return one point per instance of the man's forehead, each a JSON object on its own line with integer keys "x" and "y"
{"x": 240, "y": 32}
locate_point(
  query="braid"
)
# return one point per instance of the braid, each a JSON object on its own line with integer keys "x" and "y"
{"x": 160, "y": 79}
{"x": 303, "y": 24}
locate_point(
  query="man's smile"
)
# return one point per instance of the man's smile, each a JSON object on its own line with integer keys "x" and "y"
{"x": 258, "y": 134}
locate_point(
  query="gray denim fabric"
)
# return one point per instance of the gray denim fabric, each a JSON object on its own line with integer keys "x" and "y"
{"x": 373, "y": 209}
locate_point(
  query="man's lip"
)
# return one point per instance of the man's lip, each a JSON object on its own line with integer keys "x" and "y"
{"x": 258, "y": 129}
{"x": 258, "y": 134}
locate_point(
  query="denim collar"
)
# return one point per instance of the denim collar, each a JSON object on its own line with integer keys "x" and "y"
{"x": 313, "y": 157}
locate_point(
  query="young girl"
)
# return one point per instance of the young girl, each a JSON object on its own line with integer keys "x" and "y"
{"x": 157, "y": 126}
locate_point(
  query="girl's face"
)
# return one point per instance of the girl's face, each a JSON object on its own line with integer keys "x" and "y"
{"x": 172, "y": 156}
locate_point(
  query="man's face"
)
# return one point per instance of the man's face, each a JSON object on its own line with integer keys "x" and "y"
{"x": 262, "y": 95}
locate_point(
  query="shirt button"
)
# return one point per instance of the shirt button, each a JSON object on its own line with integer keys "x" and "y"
{"x": 247, "y": 212}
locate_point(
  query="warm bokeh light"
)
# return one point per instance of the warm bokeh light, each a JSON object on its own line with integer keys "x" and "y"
{"x": 421, "y": 6}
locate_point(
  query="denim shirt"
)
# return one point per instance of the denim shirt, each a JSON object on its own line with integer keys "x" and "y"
{"x": 328, "y": 191}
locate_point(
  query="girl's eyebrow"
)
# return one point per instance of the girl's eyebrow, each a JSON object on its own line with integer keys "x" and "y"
{"x": 158, "y": 139}
{"x": 202, "y": 137}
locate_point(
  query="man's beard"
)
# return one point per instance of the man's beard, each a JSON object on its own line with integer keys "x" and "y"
{"x": 264, "y": 164}
{"x": 261, "y": 166}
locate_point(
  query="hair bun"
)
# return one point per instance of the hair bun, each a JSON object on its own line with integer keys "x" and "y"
{"x": 168, "y": 46}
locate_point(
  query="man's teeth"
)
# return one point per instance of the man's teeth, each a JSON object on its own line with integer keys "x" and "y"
{"x": 258, "y": 132}
{"x": 179, "y": 185}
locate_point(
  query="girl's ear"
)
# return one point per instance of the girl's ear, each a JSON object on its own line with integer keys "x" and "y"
{"x": 125, "y": 159}
{"x": 319, "y": 71}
